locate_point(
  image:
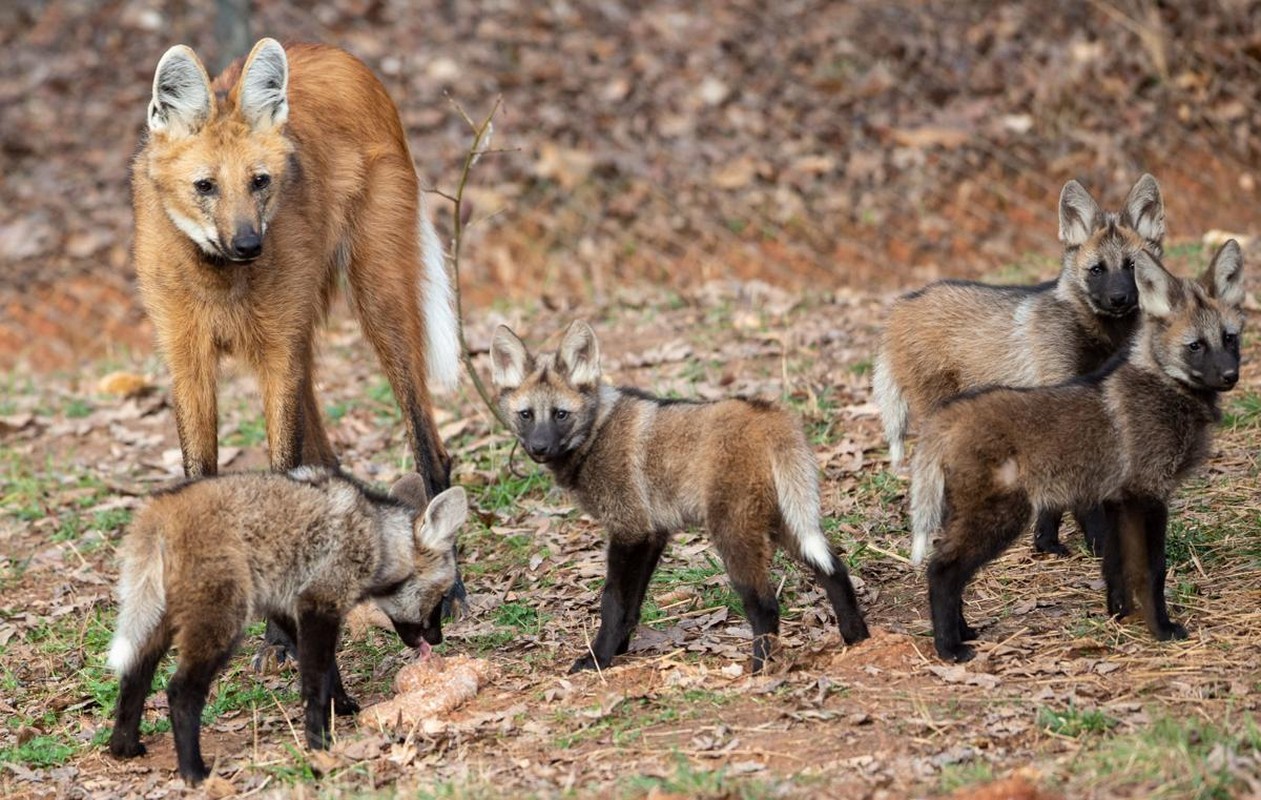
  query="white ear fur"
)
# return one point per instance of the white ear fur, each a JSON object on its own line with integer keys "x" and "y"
{"x": 442, "y": 520}
{"x": 1224, "y": 277}
{"x": 579, "y": 354}
{"x": 264, "y": 95}
{"x": 182, "y": 100}
{"x": 508, "y": 359}
{"x": 1079, "y": 214}
{"x": 1156, "y": 287}
{"x": 1145, "y": 211}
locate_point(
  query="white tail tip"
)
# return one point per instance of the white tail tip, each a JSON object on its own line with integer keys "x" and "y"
{"x": 441, "y": 323}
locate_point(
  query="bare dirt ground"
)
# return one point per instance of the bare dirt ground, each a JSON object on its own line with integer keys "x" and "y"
{"x": 731, "y": 195}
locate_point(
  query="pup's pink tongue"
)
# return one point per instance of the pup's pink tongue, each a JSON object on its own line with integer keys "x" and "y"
{"x": 424, "y": 649}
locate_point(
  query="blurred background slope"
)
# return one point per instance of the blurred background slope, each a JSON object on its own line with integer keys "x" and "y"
{"x": 815, "y": 145}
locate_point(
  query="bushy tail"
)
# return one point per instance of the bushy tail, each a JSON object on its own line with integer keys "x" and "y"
{"x": 894, "y": 410}
{"x": 796, "y": 478}
{"x": 928, "y": 498}
{"x": 142, "y": 600}
{"x": 438, "y": 302}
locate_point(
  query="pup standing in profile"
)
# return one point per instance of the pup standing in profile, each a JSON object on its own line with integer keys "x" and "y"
{"x": 646, "y": 467}
{"x": 1123, "y": 437}
{"x": 204, "y": 558}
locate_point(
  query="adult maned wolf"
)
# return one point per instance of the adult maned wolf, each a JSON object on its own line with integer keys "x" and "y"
{"x": 300, "y": 549}
{"x": 646, "y": 466}
{"x": 1122, "y": 438}
{"x": 253, "y": 195}
{"x": 953, "y": 336}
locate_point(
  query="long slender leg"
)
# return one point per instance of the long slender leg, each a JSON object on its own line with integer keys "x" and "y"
{"x": 281, "y": 376}
{"x": 973, "y": 537}
{"x": 625, "y": 584}
{"x": 316, "y": 448}
{"x": 134, "y": 688}
{"x": 1115, "y": 539}
{"x": 186, "y": 694}
{"x": 647, "y": 566}
{"x": 840, "y": 592}
{"x": 762, "y": 607}
{"x": 1152, "y": 590}
{"x": 317, "y": 650}
{"x": 193, "y": 366}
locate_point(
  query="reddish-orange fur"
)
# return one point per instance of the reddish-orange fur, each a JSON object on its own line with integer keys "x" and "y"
{"x": 343, "y": 194}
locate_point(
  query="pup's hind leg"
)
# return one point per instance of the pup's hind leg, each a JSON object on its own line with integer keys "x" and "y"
{"x": 973, "y": 537}
{"x": 133, "y": 689}
{"x": 1046, "y": 533}
{"x": 840, "y": 591}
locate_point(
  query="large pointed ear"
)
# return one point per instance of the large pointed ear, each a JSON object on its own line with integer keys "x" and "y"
{"x": 1145, "y": 211}
{"x": 182, "y": 100}
{"x": 1224, "y": 277}
{"x": 509, "y": 361}
{"x": 579, "y": 354}
{"x": 1079, "y": 214}
{"x": 442, "y": 520}
{"x": 411, "y": 490}
{"x": 264, "y": 94}
{"x": 1158, "y": 291}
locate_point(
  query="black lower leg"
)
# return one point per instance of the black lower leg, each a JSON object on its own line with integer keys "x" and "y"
{"x": 626, "y": 581}
{"x": 1111, "y": 548}
{"x": 1046, "y": 533}
{"x": 840, "y": 592}
{"x": 186, "y": 695}
{"x": 1155, "y": 522}
{"x": 1093, "y": 523}
{"x": 649, "y": 559}
{"x": 762, "y": 608}
{"x": 133, "y": 689}
{"x": 945, "y": 599}
{"x": 343, "y": 703}
{"x": 317, "y": 650}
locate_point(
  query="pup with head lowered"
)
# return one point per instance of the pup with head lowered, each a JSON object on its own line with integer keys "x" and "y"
{"x": 646, "y": 466}
{"x": 300, "y": 549}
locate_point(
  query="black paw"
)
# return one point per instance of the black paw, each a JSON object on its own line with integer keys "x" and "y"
{"x": 583, "y": 664}
{"x": 1052, "y": 546}
{"x": 854, "y": 631}
{"x": 967, "y": 633}
{"x": 124, "y": 749}
{"x": 344, "y": 705}
{"x": 317, "y": 740}
{"x": 1171, "y": 630}
{"x": 958, "y": 653}
{"x": 194, "y": 774}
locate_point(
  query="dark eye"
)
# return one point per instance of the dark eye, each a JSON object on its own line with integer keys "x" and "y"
{"x": 1195, "y": 346}
{"x": 1097, "y": 268}
{"x": 1128, "y": 265}
{"x": 559, "y": 414}
{"x": 261, "y": 182}
{"x": 204, "y": 187}
{"x": 1230, "y": 339}
{"x": 526, "y": 413}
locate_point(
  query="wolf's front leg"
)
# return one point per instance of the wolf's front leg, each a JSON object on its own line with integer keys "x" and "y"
{"x": 630, "y": 566}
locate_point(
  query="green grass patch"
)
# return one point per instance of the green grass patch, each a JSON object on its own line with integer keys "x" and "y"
{"x": 39, "y": 751}
{"x": 1074, "y": 722}
{"x": 1243, "y": 411}
{"x": 966, "y": 773}
{"x": 1185, "y": 757}
{"x": 251, "y": 431}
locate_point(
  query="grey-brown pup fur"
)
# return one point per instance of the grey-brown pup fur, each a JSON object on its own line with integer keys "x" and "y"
{"x": 300, "y": 549}
{"x": 646, "y": 467}
{"x": 1123, "y": 437}
{"x": 955, "y": 336}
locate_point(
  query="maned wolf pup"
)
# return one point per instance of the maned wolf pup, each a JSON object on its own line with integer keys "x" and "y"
{"x": 1122, "y": 437}
{"x": 301, "y": 549}
{"x": 953, "y": 336}
{"x": 646, "y": 466}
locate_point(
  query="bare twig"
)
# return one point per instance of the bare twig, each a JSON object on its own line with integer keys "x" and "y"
{"x": 481, "y": 134}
